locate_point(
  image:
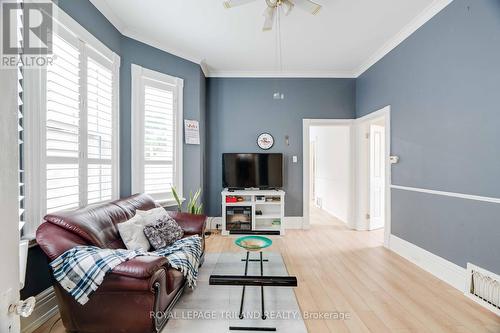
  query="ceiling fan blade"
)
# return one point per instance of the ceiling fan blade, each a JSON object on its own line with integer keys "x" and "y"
{"x": 269, "y": 19}
{"x": 307, "y": 5}
{"x": 234, "y": 3}
{"x": 287, "y": 6}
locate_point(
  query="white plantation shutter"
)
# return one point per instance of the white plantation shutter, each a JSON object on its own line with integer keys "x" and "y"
{"x": 159, "y": 139}
{"x": 99, "y": 130}
{"x": 72, "y": 146}
{"x": 63, "y": 127}
{"x": 156, "y": 133}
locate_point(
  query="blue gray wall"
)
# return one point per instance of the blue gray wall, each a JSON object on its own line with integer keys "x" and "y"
{"x": 240, "y": 109}
{"x": 134, "y": 52}
{"x": 443, "y": 87}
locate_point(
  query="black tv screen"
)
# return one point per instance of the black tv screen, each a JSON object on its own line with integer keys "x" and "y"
{"x": 252, "y": 170}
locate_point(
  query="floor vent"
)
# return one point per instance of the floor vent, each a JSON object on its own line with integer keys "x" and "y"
{"x": 483, "y": 287}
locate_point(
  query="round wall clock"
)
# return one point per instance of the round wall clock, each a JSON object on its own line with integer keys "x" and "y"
{"x": 265, "y": 141}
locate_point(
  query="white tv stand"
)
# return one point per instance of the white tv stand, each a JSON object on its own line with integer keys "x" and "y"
{"x": 266, "y": 215}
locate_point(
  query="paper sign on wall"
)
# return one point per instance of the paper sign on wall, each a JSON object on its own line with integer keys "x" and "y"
{"x": 192, "y": 132}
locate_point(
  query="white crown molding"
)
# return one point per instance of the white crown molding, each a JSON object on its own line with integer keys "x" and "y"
{"x": 106, "y": 10}
{"x": 285, "y": 74}
{"x": 391, "y": 44}
{"x": 204, "y": 68}
{"x": 407, "y": 31}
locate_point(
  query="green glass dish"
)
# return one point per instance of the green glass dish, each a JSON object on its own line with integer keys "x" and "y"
{"x": 253, "y": 243}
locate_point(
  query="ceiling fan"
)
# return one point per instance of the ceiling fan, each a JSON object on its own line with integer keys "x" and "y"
{"x": 274, "y": 5}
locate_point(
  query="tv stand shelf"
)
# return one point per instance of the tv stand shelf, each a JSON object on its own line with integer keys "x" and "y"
{"x": 261, "y": 210}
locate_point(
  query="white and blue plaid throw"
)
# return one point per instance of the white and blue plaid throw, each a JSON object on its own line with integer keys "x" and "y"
{"x": 81, "y": 270}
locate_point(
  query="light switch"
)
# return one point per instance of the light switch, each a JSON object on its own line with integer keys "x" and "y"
{"x": 294, "y": 159}
{"x": 394, "y": 159}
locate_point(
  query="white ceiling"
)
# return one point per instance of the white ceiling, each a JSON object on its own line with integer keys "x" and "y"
{"x": 343, "y": 40}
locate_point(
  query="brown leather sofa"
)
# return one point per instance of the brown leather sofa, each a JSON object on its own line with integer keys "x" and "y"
{"x": 134, "y": 289}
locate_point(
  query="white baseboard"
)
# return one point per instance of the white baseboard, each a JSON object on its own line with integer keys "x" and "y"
{"x": 45, "y": 308}
{"x": 441, "y": 268}
{"x": 212, "y": 222}
{"x": 291, "y": 222}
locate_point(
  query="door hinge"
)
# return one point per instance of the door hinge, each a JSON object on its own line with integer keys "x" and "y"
{"x": 367, "y": 135}
{"x": 367, "y": 216}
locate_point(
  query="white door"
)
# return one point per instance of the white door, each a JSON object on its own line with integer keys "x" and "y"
{"x": 377, "y": 176}
{"x": 312, "y": 170}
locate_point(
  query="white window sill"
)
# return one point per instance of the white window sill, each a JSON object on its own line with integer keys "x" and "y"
{"x": 168, "y": 202}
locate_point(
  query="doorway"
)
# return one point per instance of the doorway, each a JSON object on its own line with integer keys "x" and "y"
{"x": 327, "y": 172}
{"x": 373, "y": 173}
{"x": 368, "y": 176}
{"x": 377, "y": 174}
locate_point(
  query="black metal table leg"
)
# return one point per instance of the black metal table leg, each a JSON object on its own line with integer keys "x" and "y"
{"x": 243, "y": 291}
{"x": 262, "y": 288}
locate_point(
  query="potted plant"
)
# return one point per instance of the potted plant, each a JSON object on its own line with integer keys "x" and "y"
{"x": 193, "y": 206}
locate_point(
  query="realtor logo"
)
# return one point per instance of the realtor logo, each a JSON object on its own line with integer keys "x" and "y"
{"x": 26, "y": 33}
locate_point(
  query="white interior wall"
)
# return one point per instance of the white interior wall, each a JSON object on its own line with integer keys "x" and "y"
{"x": 332, "y": 179}
{"x": 9, "y": 186}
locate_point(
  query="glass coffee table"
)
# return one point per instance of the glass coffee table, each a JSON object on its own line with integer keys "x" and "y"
{"x": 252, "y": 269}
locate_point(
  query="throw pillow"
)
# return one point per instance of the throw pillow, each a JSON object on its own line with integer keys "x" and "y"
{"x": 153, "y": 214}
{"x": 163, "y": 232}
{"x": 132, "y": 233}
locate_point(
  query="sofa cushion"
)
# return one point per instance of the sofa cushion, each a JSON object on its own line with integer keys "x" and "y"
{"x": 137, "y": 201}
{"x": 97, "y": 224}
{"x": 162, "y": 232}
{"x": 132, "y": 233}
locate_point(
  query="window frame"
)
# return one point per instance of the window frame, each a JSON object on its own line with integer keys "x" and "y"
{"x": 139, "y": 76}
{"x": 35, "y": 108}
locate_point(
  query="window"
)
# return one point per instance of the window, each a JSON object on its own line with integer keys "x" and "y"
{"x": 72, "y": 153}
{"x": 156, "y": 133}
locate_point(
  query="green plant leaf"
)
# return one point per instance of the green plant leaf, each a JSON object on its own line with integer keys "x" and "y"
{"x": 177, "y": 199}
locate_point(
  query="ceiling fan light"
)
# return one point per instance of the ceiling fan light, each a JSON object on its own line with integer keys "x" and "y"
{"x": 287, "y": 7}
{"x": 234, "y": 3}
{"x": 269, "y": 19}
{"x": 307, "y": 5}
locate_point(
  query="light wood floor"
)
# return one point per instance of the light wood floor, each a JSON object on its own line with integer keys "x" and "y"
{"x": 340, "y": 270}
{"x": 319, "y": 216}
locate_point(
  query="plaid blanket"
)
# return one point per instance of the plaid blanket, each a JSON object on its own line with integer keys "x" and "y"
{"x": 81, "y": 270}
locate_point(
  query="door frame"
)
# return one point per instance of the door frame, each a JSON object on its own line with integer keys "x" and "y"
{"x": 306, "y": 155}
{"x": 364, "y": 191}
{"x": 9, "y": 202}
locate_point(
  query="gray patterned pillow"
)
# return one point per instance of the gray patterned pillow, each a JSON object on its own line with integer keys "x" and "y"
{"x": 163, "y": 232}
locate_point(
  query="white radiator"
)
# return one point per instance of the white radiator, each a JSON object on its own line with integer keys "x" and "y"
{"x": 483, "y": 287}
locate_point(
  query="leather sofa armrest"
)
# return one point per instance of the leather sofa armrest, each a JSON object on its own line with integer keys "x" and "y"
{"x": 115, "y": 281}
{"x": 140, "y": 267}
{"x": 191, "y": 224}
{"x": 55, "y": 240}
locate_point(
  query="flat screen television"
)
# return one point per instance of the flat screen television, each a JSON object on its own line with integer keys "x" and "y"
{"x": 258, "y": 170}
